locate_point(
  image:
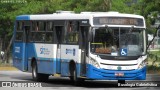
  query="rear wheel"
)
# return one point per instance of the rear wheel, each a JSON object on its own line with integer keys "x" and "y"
{"x": 38, "y": 76}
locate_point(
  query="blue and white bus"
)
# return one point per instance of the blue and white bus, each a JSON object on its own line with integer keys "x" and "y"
{"x": 88, "y": 45}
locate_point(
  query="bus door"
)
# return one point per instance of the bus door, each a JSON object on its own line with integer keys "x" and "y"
{"x": 20, "y": 47}
{"x": 84, "y": 47}
{"x": 59, "y": 40}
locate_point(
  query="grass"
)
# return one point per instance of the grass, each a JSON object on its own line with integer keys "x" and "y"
{"x": 6, "y": 67}
{"x": 153, "y": 62}
{"x": 5, "y": 64}
{"x": 153, "y": 69}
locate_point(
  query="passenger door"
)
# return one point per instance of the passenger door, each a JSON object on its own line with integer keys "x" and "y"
{"x": 84, "y": 47}
{"x": 59, "y": 41}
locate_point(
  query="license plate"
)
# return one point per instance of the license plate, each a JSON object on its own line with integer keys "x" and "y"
{"x": 119, "y": 74}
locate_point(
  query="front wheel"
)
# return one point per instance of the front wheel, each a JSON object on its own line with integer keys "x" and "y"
{"x": 77, "y": 81}
{"x": 38, "y": 76}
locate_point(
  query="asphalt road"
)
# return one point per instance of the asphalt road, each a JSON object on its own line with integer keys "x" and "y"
{"x": 23, "y": 80}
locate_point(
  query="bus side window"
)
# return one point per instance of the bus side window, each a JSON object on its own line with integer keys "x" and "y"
{"x": 49, "y": 32}
{"x": 19, "y": 26}
{"x": 26, "y": 36}
{"x": 36, "y": 26}
{"x": 49, "y": 37}
{"x": 19, "y": 31}
{"x": 38, "y": 31}
{"x": 41, "y": 26}
{"x": 19, "y": 36}
{"x": 40, "y": 37}
{"x": 49, "y": 26}
{"x": 33, "y": 31}
{"x": 72, "y": 32}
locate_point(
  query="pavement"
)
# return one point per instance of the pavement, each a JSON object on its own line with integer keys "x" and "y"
{"x": 23, "y": 80}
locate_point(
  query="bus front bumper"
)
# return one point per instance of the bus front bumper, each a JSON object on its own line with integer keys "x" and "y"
{"x": 102, "y": 74}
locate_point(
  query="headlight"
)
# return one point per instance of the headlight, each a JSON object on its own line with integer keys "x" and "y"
{"x": 143, "y": 63}
{"x": 94, "y": 63}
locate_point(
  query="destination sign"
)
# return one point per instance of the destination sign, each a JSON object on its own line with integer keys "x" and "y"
{"x": 118, "y": 21}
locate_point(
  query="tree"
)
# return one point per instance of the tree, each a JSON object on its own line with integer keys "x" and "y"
{"x": 122, "y": 6}
{"x": 10, "y": 9}
{"x": 150, "y": 10}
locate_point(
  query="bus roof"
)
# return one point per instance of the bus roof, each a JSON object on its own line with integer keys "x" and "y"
{"x": 73, "y": 16}
{"x": 52, "y": 17}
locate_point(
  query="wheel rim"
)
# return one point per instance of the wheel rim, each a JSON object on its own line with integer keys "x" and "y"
{"x": 34, "y": 72}
{"x": 74, "y": 76}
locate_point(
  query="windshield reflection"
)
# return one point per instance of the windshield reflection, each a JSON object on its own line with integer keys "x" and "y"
{"x": 118, "y": 41}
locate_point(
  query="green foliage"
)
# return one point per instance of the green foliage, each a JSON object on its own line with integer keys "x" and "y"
{"x": 148, "y": 8}
{"x": 122, "y": 6}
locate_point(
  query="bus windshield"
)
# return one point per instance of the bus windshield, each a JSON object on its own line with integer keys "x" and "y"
{"x": 118, "y": 41}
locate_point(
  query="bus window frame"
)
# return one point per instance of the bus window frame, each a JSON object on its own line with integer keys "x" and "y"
{"x": 19, "y": 31}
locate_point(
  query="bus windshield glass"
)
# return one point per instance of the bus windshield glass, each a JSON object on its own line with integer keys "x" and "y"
{"x": 118, "y": 41}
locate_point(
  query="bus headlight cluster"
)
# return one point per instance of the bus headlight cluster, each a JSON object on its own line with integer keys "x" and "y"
{"x": 94, "y": 63}
{"x": 142, "y": 64}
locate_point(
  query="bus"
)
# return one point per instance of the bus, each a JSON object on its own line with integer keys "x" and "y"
{"x": 81, "y": 46}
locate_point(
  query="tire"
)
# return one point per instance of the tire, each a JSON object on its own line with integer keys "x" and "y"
{"x": 38, "y": 76}
{"x": 121, "y": 81}
{"x": 77, "y": 81}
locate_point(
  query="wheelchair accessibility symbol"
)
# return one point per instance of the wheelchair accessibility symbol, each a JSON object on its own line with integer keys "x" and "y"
{"x": 123, "y": 52}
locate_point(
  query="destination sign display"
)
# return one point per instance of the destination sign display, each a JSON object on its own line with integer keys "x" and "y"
{"x": 118, "y": 21}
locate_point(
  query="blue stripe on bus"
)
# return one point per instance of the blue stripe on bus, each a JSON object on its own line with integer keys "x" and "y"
{"x": 18, "y": 58}
{"x": 23, "y": 17}
{"x": 48, "y": 66}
